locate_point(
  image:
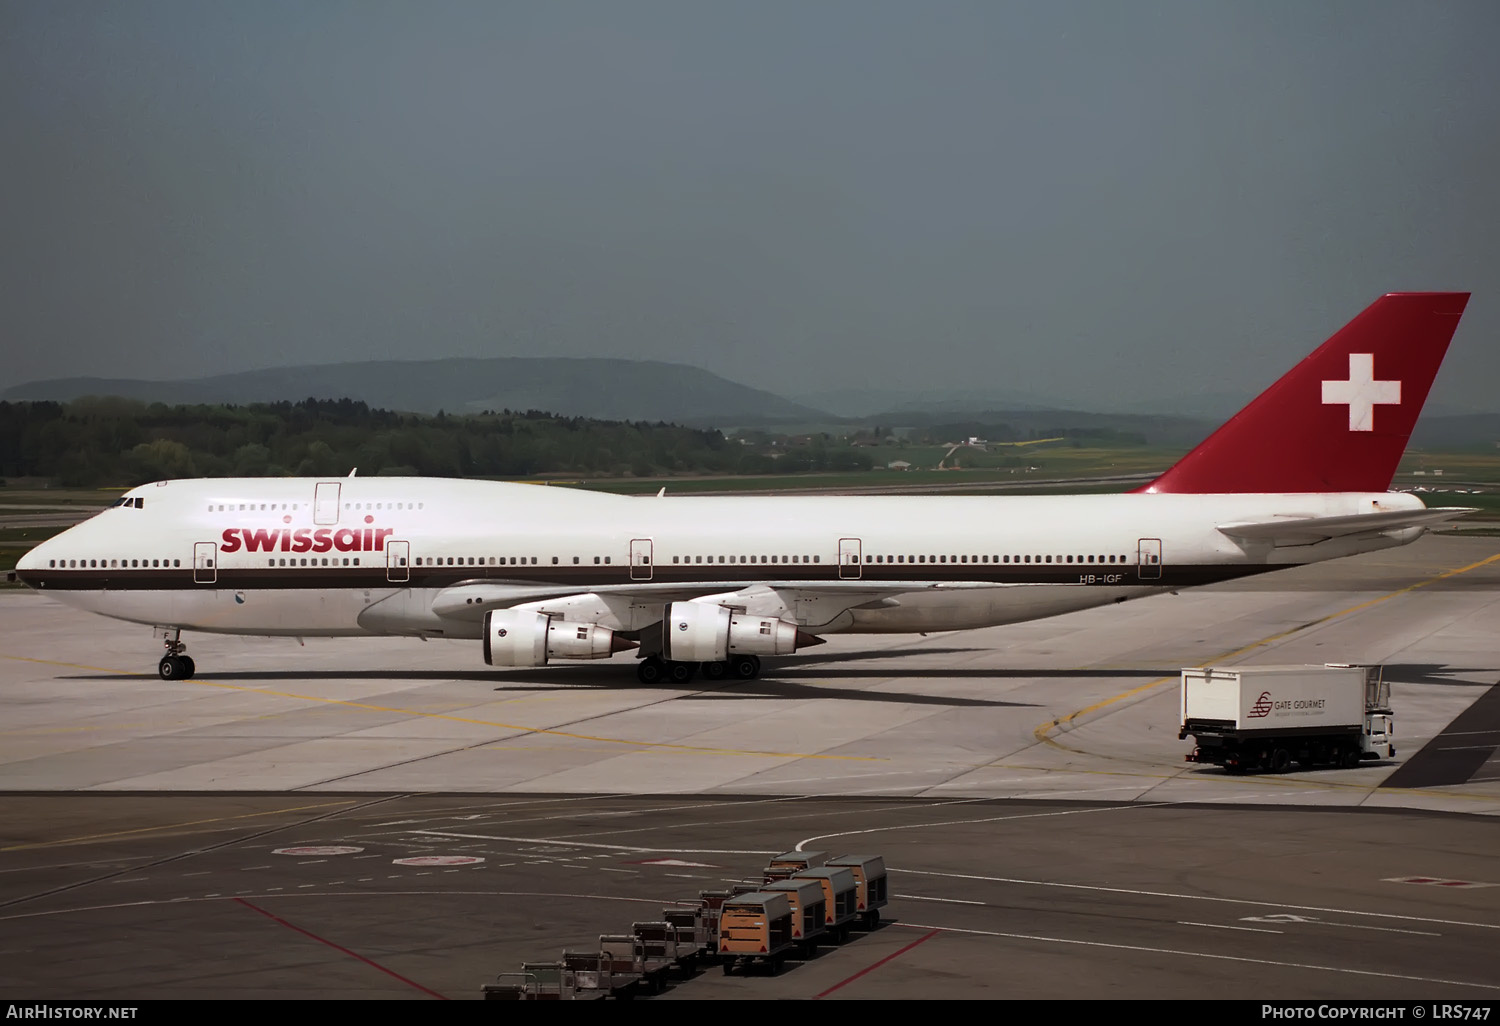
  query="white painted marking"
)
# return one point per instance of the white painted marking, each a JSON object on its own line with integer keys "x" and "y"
{"x": 305, "y": 886}
{"x": 1200, "y": 954}
{"x": 317, "y": 849}
{"x": 311, "y": 862}
{"x": 946, "y": 901}
{"x": 1383, "y": 929}
{"x": 246, "y": 869}
{"x": 1362, "y": 393}
{"x": 1225, "y": 926}
{"x": 201, "y": 872}
{"x": 133, "y": 879}
{"x": 1194, "y": 897}
{"x": 586, "y": 844}
{"x": 1289, "y": 919}
{"x": 669, "y": 862}
{"x": 607, "y": 869}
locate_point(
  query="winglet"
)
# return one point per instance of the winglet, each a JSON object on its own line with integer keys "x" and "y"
{"x": 1339, "y": 420}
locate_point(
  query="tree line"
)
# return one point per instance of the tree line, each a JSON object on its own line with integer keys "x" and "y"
{"x": 94, "y": 442}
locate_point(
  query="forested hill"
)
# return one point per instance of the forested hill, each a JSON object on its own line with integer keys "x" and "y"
{"x": 604, "y": 388}
{"x": 112, "y": 441}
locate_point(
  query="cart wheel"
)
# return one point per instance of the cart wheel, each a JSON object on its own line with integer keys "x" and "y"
{"x": 728, "y": 968}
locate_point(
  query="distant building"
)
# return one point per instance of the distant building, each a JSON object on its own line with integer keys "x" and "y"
{"x": 898, "y": 465}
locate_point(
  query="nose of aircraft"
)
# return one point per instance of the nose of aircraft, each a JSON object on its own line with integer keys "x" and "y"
{"x": 35, "y": 560}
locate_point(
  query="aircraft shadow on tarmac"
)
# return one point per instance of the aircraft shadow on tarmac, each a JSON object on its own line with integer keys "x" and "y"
{"x": 1437, "y": 673}
{"x": 582, "y": 678}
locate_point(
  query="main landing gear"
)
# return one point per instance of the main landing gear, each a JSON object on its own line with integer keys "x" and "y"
{"x": 654, "y": 669}
{"x": 174, "y": 665}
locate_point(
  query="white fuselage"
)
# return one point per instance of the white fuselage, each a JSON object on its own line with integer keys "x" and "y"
{"x": 382, "y": 555}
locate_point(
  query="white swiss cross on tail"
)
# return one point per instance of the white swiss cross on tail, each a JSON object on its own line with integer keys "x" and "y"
{"x": 1362, "y": 393}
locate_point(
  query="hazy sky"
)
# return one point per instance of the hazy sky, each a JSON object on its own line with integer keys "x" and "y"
{"x": 1099, "y": 201}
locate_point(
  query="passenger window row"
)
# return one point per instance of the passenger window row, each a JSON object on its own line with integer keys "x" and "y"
{"x": 998, "y": 559}
{"x": 111, "y": 564}
{"x": 498, "y": 560}
{"x": 250, "y": 507}
{"x": 747, "y": 559}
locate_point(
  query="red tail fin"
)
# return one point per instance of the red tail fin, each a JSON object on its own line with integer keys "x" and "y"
{"x": 1339, "y": 420}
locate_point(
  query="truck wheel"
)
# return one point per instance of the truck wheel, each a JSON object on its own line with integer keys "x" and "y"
{"x": 1280, "y": 761}
{"x": 1350, "y": 758}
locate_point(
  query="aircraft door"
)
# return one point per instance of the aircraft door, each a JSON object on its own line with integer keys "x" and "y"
{"x": 397, "y": 561}
{"x": 850, "y": 567}
{"x": 326, "y": 502}
{"x": 640, "y": 559}
{"x": 205, "y": 562}
{"x": 1148, "y": 558}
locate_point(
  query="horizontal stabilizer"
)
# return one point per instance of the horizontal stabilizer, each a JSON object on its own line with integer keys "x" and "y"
{"x": 1309, "y": 530}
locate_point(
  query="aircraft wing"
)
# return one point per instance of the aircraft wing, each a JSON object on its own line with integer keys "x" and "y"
{"x": 1310, "y": 530}
{"x": 470, "y": 600}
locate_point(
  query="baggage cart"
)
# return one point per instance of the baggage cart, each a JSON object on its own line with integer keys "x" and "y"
{"x": 869, "y": 873}
{"x": 755, "y": 928}
{"x": 840, "y": 894}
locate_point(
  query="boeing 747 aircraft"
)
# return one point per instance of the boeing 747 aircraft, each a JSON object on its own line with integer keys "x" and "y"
{"x": 711, "y": 585}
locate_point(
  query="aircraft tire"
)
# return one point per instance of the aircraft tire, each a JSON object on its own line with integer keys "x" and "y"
{"x": 650, "y": 670}
{"x": 171, "y": 668}
{"x": 745, "y": 667}
{"x": 189, "y": 667}
{"x": 681, "y": 673}
{"x": 715, "y": 670}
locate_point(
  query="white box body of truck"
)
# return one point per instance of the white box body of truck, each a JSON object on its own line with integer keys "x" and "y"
{"x": 1266, "y": 717}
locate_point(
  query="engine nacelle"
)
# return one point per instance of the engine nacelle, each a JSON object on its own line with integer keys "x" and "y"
{"x": 698, "y": 632}
{"x": 524, "y": 637}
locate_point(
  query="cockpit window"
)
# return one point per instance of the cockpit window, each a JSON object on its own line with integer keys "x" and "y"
{"x": 133, "y": 502}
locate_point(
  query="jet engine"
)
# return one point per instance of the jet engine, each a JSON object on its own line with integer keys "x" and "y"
{"x": 524, "y": 637}
{"x": 699, "y": 632}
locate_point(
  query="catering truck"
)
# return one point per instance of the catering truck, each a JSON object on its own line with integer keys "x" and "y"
{"x": 1266, "y": 717}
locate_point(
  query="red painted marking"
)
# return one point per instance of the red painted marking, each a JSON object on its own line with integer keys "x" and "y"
{"x": 339, "y": 947}
{"x": 877, "y": 965}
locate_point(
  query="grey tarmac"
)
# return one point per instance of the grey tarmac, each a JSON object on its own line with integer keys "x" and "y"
{"x": 1025, "y": 785}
